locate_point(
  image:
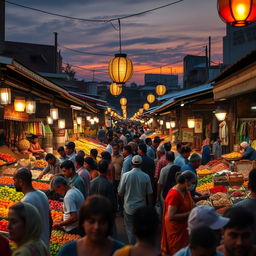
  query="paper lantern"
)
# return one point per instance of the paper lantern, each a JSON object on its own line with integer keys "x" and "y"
{"x": 115, "y": 89}
{"x": 161, "y": 122}
{"x": 238, "y": 13}
{"x": 30, "y": 107}
{"x": 151, "y": 98}
{"x": 79, "y": 120}
{"x": 168, "y": 125}
{"x": 146, "y": 106}
{"x": 141, "y": 110}
{"x": 191, "y": 123}
{"x": 123, "y": 101}
{"x": 220, "y": 114}
{"x": 88, "y": 118}
{"x": 5, "y": 96}
{"x": 49, "y": 120}
{"x": 54, "y": 113}
{"x": 173, "y": 124}
{"x": 160, "y": 90}
{"x": 61, "y": 123}
{"x": 120, "y": 68}
{"x": 92, "y": 121}
{"x": 19, "y": 104}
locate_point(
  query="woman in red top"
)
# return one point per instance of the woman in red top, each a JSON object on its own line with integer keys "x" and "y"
{"x": 178, "y": 204}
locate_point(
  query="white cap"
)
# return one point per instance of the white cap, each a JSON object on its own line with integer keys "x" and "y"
{"x": 204, "y": 215}
{"x": 137, "y": 159}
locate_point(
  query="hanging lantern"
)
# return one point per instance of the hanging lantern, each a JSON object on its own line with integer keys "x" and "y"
{"x": 115, "y": 89}
{"x": 49, "y": 120}
{"x": 173, "y": 124}
{"x": 220, "y": 114}
{"x": 168, "y": 125}
{"x": 238, "y": 13}
{"x": 92, "y": 121}
{"x": 30, "y": 107}
{"x": 54, "y": 113}
{"x": 120, "y": 68}
{"x": 151, "y": 98}
{"x": 5, "y": 96}
{"x": 19, "y": 104}
{"x": 61, "y": 123}
{"x": 109, "y": 110}
{"x": 191, "y": 122}
{"x": 124, "y": 107}
{"x": 123, "y": 101}
{"x": 161, "y": 122}
{"x": 141, "y": 110}
{"x": 79, "y": 120}
{"x": 160, "y": 90}
{"x": 146, "y": 106}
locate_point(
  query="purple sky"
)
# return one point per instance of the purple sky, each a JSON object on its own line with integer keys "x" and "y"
{"x": 160, "y": 38}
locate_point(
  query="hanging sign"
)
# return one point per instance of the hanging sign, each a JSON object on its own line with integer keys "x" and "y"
{"x": 11, "y": 114}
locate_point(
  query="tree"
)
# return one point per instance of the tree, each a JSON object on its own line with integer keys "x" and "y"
{"x": 69, "y": 71}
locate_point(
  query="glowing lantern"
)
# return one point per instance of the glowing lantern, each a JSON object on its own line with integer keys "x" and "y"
{"x": 141, "y": 110}
{"x": 191, "y": 122}
{"x": 5, "y": 96}
{"x": 49, "y": 120}
{"x": 238, "y": 13}
{"x": 173, "y": 124}
{"x": 120, "y": 68}
{"x": 151, "y": 98}
{"x": 124, "y": 107}
{"x": 115, "y": 89}
{"x": 92, "y": 121}
{"x": 160, "y": 90}
{"x": 112, "y": 113}
{"x": 79, "y": 120}
{"x": 220, "y": 114}
{"x": 54, "y": 113}
{"x": 168, "y": 125}
{"x": 30, "y": 107}
{"x": 146, "y": 106}
{"x": 61, "y": 123}
{"x": 19, "y": 104}
{"x": 109, "y": 110}
{"x": 161, "y": 122}
{"x": 88, "y": 118}
{"x": 123, "y": 101}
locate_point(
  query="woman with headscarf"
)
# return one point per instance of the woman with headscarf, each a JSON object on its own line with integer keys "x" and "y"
{"x": 25, "y": 230}
{"x": 206, "y": 151}
{"x": 178, "y": 204}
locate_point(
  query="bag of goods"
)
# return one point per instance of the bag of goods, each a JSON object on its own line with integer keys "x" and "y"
{"x": 24, "y": 163}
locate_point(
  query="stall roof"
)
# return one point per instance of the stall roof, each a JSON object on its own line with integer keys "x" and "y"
{"x": 35, "y": 77}
{"x": 237, "y": 66}
{"x": 173, "y": 97}
{"x": 89, "y": 98}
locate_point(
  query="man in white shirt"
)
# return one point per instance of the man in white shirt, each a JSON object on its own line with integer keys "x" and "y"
{"x": 109, "y": 146}
{"x": 73, "y": 201}
{"x": 23, "y": 183}
{"x": 143, "y": 136}
{"x": 136, "y": 190}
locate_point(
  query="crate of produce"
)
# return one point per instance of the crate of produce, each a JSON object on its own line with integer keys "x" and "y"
{"x": 235, "y": 179}
{"x": 221, "y": 180}
{"x": 244, "y": 167}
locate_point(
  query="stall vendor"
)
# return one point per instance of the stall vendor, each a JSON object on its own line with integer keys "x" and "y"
{"x": 248, "y": 152}
{"x": 53, "y": 166}
{"x": 35, "y": 147}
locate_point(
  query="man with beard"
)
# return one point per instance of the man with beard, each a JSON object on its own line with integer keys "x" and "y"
{"x": 238, "y": 233}
{"x": 23, "y": 183}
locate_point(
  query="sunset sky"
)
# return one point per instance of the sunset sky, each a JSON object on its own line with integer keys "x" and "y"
{"x": 160, "y": 38}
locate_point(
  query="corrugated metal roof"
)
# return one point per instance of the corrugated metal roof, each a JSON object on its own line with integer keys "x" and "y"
{"x": 175, "y": 96}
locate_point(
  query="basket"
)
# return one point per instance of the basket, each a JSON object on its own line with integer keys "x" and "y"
{"x": 232, "y": 159}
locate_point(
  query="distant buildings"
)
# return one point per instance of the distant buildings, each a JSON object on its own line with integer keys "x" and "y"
{"x": 170, "y": 81}
{"x": 238, "y": 42}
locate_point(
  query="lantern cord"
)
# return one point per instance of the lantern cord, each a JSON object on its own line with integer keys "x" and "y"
{"x": 94, "y": 20}
{"x": 120, "y": 36}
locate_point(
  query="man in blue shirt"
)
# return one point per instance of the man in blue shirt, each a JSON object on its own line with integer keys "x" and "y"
{"x": 249, "y": 152}
{"x": 150, "y": 150}
{"x": 127, "y": 164}
{"x": 182, "y": 159}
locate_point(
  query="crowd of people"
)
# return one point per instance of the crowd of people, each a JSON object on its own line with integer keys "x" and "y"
{"x": 145, "y": 182}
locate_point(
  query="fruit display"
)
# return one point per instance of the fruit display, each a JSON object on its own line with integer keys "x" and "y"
{"x": 56, "y": 215}
{"x": 54, "y": 248}
{"x": 204, "y": 187}
{"x": 219, "y": 167}
{"x": 2, "y": 162}
{"x": 40, "y": 164}
{"x": 87, "y": 144}
{"x": 61, "y": 237}
{"x": 5, "y": 180}
{"x": 238, "y": 194}
{"x": 5, "y": 204}
{"x": 204, "y": 202}
{"x": 10, "y": 194}
{"x": 217, "y": 189}
{"x": 203, "y": 172}
{"x": 233, "y": 155}
{"x": 7, "y": 158}
{"x": 4, "y": 225}
{"x": 218, "y": 196}
{"x": 41, "y": 185}
{"x": 236, "y": 188}
{"x": 206, "y": 179}
{"x": 245, "y": 184}
{"x": 221, "y": 202}
{"x": 215, "y": 161}
{"x": 55, "y": 205}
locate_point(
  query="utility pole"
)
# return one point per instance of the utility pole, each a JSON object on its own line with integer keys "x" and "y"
{"x": 56, "y": 70}
{"x": 210, "y": 49}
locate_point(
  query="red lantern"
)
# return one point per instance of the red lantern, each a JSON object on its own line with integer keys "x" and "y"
{"x": 238, "y": 13}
